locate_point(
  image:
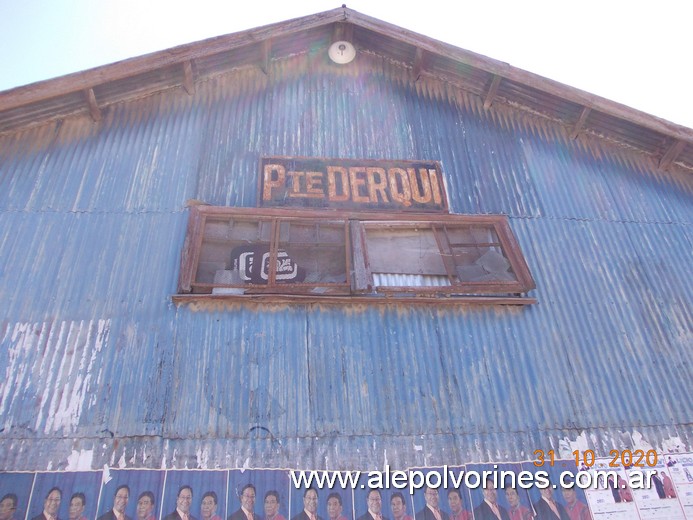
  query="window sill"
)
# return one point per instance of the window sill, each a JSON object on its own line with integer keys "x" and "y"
{"x": 183, "y": 299}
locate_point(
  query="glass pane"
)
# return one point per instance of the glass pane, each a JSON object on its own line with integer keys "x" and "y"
{"x": 312, "y": 253}
{"x": 229, "y": 250}
{"x": 477, "y": 254}
{"x": 404, "y": 250}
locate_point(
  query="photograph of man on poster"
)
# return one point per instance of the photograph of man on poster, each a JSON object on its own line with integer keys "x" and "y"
{"x": 431, "y": 511}
{"x": 247, "y": 509}
{"x": 489, "y": 508}
{"x": 456, "y": 504}
{"x": 398, "y": 506}
{"x": 208, "y": 506}
{"x": 51, "y": 505}
{"x": 516, "y": 510}
{"x": 547, "y": 508}
{"x": 145, "y": 506}
{"x": 184, "y": 500}
{"x": 78, "y": 502}
{"x": 271, "y": 505}
{"x": 120, "y": 502}
{"x": 374, "y": 506}
{"x": 310, "y": 506}
{"x": 8, "y": 506}
{"x": 335, "y": 507}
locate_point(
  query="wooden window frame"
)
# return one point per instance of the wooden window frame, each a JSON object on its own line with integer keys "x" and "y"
{"x": 359, "y": 286}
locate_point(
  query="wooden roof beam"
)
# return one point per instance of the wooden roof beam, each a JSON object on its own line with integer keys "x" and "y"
{"x": 266, "y": 55}
{"x": 671, "y": 154}
{"x": 582, "y": 120}
{"x": 188, "y": 77}
{"x": 343, "y": 32}
{"x": 492, "y": 91}
{"x": 94, "y": 109}
{"x": 419, "y": 59}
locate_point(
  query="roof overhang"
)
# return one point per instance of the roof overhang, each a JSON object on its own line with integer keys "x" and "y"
{"x": 496, "y": 82}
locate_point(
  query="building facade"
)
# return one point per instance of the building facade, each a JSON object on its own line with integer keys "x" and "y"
{"x": 109, "y": 360}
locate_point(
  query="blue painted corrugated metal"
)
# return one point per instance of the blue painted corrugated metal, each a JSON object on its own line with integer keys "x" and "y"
{"x": 97, "y": 359}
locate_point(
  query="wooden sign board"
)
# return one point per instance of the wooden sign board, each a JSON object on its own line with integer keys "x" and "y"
{"x": 352, "y": 184}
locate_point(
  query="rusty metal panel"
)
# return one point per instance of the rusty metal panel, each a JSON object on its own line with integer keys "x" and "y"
{"x": 94, "y": 218}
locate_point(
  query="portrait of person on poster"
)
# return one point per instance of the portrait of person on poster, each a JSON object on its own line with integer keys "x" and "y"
{"x": 658, "y": 484}
{"x": 310, "y": 506}
{"x": 51, "y": 505}
{"x": 271, "y": 505}
{"x": 78, "y": 501}
{"x": 457, "y": 510}
{"x": 335, "y": 507}
{"x": 489, "y": 508}
{"x": 431, "y": 511}
{"x": 668, "y": 485}
{"x": 374, "y": 505}
{"x": 516, "y": 511}
{"x": 120, "y": 502}
{"x": 8, "y": 506}
{"x": 623, "y": 490}
{"x": 398, "y": 506}
{"x": 145, "y": 506}
{"x": 576, "y": 509}
{"x": 247, "y": 500}
{"x": 547, "y": 508}
{"x": 184, "y": 500}
{"x": 611, "y": 484}
{"x": 208, "y": 506}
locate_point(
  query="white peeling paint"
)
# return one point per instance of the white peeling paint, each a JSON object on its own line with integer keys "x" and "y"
{"x": 639, "y": 442}
{"x": 566, "y": 447}
{"x": 673, "y": 445}
{"x": 202, "y": 459}
{"x": 106, "y": 476}
{"x": 48, "y": 375}
{"x": 80, "y": 460}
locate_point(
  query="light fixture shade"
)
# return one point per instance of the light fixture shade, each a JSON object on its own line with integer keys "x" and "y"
{"x": 342, "y": 52}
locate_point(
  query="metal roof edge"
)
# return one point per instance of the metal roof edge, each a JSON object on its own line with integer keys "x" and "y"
{"x": 88, "y": 79}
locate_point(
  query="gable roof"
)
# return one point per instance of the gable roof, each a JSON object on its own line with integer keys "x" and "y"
{"x": 496, "y": 82}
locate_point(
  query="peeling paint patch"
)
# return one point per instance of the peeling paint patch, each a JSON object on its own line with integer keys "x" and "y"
{"x": 51, "y": 372}
{"x": 673, "y": 445}
{"x": 80, "y": 460}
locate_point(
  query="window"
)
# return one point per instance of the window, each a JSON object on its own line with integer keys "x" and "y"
{"x": 246, "y": 252}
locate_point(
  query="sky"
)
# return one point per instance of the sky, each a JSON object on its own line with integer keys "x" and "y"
{"x": 636, "y": 53}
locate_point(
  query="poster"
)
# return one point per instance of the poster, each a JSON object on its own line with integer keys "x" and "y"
{"x": 512, "y": 491}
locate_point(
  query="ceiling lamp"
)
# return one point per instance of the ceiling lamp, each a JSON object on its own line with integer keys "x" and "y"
{"x": 342, "y": 52}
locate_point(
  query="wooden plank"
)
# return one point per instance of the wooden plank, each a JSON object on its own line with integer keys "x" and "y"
{"x": 266, "y": 55}
{"x": 188, "y": 77}
{"x": 671, "y": 154}
{"x": 492, "y": 91}
{"x": 395, "y": 219}
{"x": 446, "y": 254}
{"x": 362, "y": 279}
{"x": 191, "y": 249}
{"x": 343, "y": 32}
{"x": 418, "y": 63}
{"x": 301, "y": 299}
{"x": 93, "y": 105}
{"x": 580, "y": 122}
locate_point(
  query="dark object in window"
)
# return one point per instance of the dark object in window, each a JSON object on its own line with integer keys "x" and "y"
{"x": 246, "y": 251}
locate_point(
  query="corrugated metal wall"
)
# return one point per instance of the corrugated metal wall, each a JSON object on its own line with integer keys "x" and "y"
{"x": 95, "y": 359}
